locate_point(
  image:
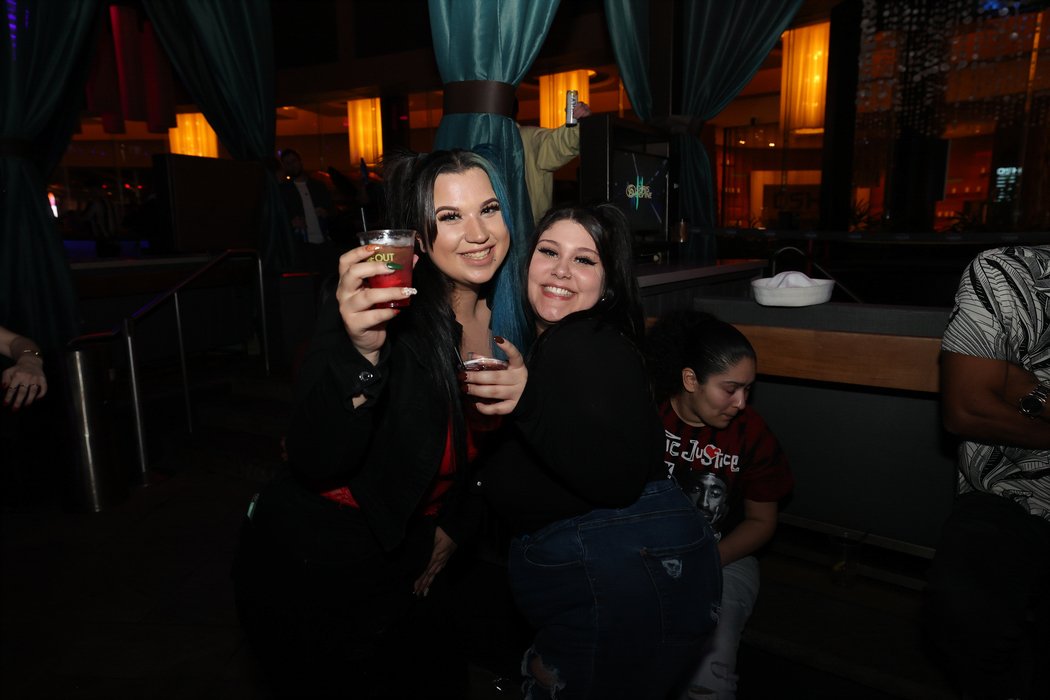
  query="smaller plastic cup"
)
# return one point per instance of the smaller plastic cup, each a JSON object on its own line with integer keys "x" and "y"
{"x": 476, "y": 362}
{"x": 396, "y": 247}
{"x": 483, "y": 364}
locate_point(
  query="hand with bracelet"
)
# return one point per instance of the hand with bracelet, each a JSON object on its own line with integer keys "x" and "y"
{"x": 24, "y": 382}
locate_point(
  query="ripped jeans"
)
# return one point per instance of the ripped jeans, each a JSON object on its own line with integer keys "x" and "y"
{"x": 622, "y": 599}
{"x": 716, "y": 678}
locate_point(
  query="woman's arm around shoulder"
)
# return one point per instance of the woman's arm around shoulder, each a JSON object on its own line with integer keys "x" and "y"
{"x": 588, "y": 412}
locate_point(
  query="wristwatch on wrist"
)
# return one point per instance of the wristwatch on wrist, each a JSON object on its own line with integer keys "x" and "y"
{"x": 1034, "y": 402}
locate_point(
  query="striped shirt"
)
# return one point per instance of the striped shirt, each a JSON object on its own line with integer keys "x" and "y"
{"x": 1002, "y": 312}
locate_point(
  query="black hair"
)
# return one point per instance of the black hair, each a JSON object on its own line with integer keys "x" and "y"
{"x": 620, "y": 302}
{"x": 409, "y": 180}
{"x": 693, "y": 339}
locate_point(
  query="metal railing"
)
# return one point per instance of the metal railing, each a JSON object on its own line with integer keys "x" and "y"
{"x": 126, "y": 329}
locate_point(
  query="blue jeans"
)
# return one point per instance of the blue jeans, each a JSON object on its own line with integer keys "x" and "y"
{"x": 622, "y": 599}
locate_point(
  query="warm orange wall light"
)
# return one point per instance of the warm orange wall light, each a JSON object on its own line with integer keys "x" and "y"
{"x": 364, "y": 126}
{"x": 803, "y": 79}
{"x": 552, "y": 95}
{"x": 193, "y": 136}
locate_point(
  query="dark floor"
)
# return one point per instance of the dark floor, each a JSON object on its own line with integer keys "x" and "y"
{"x": 135, "y": 601}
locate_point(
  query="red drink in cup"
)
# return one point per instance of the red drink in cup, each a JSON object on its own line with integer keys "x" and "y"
{"x": 480, "y": 363}
{"x": 396, "y": 247}
{"x": 483, "y": 364}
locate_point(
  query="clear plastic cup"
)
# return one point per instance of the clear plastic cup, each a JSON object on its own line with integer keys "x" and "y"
{"x": 396, "y": 247}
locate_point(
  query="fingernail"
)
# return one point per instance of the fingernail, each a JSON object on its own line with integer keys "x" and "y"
{"x": 499, "y": 339}
{"x": 408, "y": 291}
{"x": 373, "y": 247}
{"x": 394, "y": 266}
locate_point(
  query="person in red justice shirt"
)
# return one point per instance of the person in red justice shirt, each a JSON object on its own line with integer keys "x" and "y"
{"x": 725, "y": 457}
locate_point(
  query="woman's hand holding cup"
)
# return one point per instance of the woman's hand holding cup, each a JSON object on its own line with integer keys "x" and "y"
{"x": 495, "y": 392}
{"x": 365, "y": 322}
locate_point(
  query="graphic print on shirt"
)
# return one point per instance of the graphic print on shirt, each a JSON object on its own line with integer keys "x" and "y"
{"x": 701, "y": 482}
{"x": 710, "y": 457}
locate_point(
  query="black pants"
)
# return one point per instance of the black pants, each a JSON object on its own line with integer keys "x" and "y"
{"x": 988, "y": 599}
{"x": 330, "y": 614}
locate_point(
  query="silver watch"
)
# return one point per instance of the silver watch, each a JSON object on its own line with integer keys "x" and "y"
{"x": 1033, "y": 404}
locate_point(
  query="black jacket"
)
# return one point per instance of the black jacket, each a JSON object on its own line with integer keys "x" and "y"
{"x": 293, "y": 203}
{"x": 387, "y": 451}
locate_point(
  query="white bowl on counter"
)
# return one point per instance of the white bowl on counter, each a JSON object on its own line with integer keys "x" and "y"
{"x": 791, "y": 289}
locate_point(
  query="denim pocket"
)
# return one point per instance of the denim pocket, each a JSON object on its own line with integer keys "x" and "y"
{"x": 687, "y": 583}
{"x": 557, "y": 545}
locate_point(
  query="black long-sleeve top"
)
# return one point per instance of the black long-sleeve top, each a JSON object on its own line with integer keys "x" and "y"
{"x": 387, "y": 451}
{"x": 585, "y": 433}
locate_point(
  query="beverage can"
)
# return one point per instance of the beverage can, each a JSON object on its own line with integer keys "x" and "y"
{"x": 571, "y": 98}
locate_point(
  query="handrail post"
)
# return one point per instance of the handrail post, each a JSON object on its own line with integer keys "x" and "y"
{"x": 262, "y": 316}
{"x": 136, "y": 404}
{"x": 182, "y": 364}
{"x": 100, "y": 478}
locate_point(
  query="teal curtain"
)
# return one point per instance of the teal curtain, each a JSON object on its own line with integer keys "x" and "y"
{"x": 724, "y": 43}
{"x": 223, "y": 52}
{"x": 628, "y": 22}
{"x": 43, "y": 45}
{"x": 492, "y": 40}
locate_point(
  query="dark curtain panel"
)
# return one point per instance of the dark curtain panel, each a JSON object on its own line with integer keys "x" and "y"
{"x": 223, "y": 52}
{"x": 724, "y": 43}
{"x": 42, "y": 72}
{"x": 490, "y": 40}
{"x": 628, "y": 22}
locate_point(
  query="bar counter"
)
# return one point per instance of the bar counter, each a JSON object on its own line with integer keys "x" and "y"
{"x": 667, "y": 286}
{"x": 654, "y": 274}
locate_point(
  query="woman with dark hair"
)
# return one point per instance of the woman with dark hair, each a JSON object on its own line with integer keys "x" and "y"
{"x": 611, "y": 564}
{"x": 338, "y": 574}
{"x": 726, "y": 459}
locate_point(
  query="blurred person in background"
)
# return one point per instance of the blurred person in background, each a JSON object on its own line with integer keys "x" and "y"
{"x": 308, "y": 204}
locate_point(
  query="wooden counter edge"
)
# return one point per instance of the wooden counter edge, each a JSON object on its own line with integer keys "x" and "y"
{"x": 865, "y": 359}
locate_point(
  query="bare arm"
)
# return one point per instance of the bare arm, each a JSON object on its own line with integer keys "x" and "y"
{"x": 11, "y": 343}
{"x": 758, "y": 526}
{"x": 979, "y": 401}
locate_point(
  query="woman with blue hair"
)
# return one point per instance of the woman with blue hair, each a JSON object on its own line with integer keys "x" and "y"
{"x": 338, "y": 577}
